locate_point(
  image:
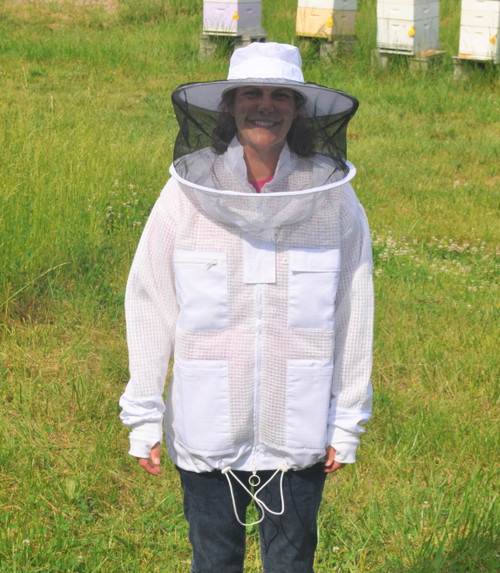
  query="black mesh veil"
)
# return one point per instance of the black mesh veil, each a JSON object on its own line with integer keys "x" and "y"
{"x": 325, "y": 114}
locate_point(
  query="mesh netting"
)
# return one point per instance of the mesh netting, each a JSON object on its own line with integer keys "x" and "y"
{"x": 291, "y": 198}
{"x": 326, "y": 114}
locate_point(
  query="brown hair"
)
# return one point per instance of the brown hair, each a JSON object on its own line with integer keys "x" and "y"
{"x": 300, "y": 138}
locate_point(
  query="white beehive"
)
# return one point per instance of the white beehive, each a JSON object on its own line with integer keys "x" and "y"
{"x": 479, "y": 30}
{"x": 408, "y": 26}
{"x": 326, "y": 18}
{"x": 232, "y": 18}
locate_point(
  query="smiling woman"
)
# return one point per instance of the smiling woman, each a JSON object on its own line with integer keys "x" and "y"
{"x": 263, "y": 117}
{"x": 254, "y": 273}
{"x": 301, "y": 135}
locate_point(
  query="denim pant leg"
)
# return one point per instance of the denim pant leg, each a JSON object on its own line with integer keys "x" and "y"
{"x": 288, "y": 542}
{"x": 218, "y": 540}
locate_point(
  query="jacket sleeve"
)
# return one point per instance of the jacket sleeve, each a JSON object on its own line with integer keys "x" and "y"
{"x": 151, "y": 314}
{"x": 351, "y": 386}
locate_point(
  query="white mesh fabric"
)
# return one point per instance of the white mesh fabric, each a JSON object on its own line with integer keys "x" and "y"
{"x": 235, "y": 344}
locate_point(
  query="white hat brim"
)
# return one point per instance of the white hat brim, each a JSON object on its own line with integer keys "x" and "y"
{"x": 320, "y": 100}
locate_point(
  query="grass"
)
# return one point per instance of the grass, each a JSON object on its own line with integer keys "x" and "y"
{"x": 86, "y": 134}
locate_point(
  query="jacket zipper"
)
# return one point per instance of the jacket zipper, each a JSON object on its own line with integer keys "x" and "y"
{"x": 258, "y": 370}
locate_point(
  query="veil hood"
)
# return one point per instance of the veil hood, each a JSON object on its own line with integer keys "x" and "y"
{"x": 215, "y": 175}
{"x": 218, "y": 186}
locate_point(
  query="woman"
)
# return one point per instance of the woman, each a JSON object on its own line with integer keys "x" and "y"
{"x": 254, "y": 274}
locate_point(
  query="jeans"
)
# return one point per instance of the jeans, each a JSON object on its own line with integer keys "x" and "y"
{"x": 287, "y": 542}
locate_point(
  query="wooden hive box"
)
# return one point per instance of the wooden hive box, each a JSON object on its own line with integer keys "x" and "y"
{"x": 408, "y": 26}
{"x": 479, "y": 30}
{"x": 326, "y": 18}
{"x": 240, "y": 17}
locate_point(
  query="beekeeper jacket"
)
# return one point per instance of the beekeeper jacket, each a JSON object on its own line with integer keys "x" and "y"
{"x": 265, "y": 303}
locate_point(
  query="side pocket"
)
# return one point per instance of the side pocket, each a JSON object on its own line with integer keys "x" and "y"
{"x": 203, "y": 420}
{"x": 308, "y": 402}
{"x": 313, "y": 280}
{"x": 201, "y": 285}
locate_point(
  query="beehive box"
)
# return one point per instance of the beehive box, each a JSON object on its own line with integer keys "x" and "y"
{"x": 408, "y": 26}
{"x": 232, "y": 18}
{"x": 326, "y": 18}
{"x": 479, "y": 30}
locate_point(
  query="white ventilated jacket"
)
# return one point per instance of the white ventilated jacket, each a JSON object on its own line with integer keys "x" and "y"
{"x": 265, "y": 303}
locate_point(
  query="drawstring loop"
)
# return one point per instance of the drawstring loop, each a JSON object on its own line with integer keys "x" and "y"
{"x": 254, "y": 481}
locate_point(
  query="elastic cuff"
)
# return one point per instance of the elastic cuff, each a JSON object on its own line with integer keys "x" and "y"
{"x": 144, "y": 437}
{"x": 345, "y": 453}
{"x": 345, "y": 444}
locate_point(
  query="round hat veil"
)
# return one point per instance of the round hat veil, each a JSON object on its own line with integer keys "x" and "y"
{"x": 325, "y": 112}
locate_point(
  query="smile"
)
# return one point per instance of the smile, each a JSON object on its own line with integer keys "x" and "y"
{"x": 262, "y": 123}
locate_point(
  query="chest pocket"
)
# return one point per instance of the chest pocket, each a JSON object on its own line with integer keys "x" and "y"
{"x": 313, "y": 281}
{"x": 201, "y": 285}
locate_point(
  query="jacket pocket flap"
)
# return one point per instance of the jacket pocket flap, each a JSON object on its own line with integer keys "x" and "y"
{"x": 206, "y": 258}
{"x": 314, "y": 260}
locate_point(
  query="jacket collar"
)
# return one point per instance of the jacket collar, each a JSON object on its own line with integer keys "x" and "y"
{"x": 235, "y": 164}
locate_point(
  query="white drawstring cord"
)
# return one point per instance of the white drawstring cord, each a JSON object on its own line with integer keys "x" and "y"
{"x": 254, "y": 480}
{"x": 227, "y": 471}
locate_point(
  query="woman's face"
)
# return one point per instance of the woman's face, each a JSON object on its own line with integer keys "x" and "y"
{"x": 263, "y": 116}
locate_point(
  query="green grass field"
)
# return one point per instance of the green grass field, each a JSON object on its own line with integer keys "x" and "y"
{"x": 86, "y": 138}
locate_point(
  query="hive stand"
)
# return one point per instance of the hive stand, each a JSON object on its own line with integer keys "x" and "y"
{"x": 421, "y": 61}
{"x": 463, "y": 66}
{"x": 329, "y": 47}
